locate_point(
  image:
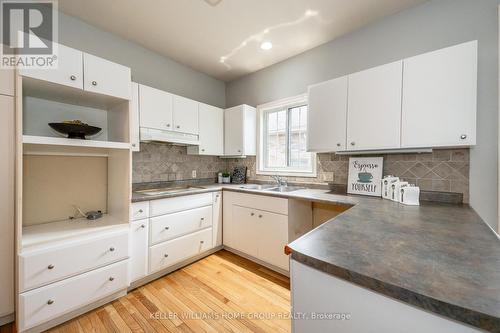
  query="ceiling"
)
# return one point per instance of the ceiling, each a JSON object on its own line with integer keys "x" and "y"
{"x": 222, "y": 38}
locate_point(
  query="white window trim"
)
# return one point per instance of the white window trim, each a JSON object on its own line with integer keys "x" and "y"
{"x": 260, "y": 167}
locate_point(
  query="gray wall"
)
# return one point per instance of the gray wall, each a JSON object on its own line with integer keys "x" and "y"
{"x": 427, "y": 27}
{"x": 147, "y": 66}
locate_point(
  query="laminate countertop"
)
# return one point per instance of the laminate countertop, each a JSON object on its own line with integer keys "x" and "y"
{"x": 440, "y": 257}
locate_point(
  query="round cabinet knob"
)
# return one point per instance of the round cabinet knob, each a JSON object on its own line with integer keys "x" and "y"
{"x": 218, "y": 195}
{"x": 143, "y": 226}
{"x": 168, "y": 125}
{"x": 463, "y": 136}
{"x": 50, "y": 301}
{"x": 111, "y": 278}
{"x": 203, "y": 219}
{"x": 260, "y": 216}
{"x": 141, "y": 211}
{"x": 252, "y": 214}
{"x": 177, "y": 126}
{"x": 111, "y": 249}
{"x": 338, "y": 144}
{"x": 73, "y": 78}
{"x": 50, "y": 266}
{"x": 353, "y": 143}
{"x": 165, "y": 255}
{"x": 203, "y": 150}
{"x": 166, "y": 228}
{"x": 133, "y": 145}
{"x": 201, "y": 242}
{"x": 239, "y": 151}
{"x": 94, "y": 83}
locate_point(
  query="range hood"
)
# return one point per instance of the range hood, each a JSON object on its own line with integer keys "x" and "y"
{"x": 156, "y": 135}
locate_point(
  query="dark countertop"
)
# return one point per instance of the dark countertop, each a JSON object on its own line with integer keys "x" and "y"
{"x": 439, "y": 257}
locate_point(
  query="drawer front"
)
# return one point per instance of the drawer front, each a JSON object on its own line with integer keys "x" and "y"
{"x": 173, "y": 225}
{"x": 49, "y": 302}
{"x": 177, "y": 204}
{"x": 44, "y": 267}
{"x": 140, "y": 210}
{"x": 171, "y": 252}
{"x": 262, "y": 202}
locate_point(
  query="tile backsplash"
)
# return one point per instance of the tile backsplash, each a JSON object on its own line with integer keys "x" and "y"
{"x": 444, "y": 170}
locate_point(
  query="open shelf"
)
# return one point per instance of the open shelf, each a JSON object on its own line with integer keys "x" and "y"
{"x": 46, "y": 140}
{"x": 50, "y": 234}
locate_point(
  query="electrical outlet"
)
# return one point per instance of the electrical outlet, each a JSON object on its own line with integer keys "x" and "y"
{"x": 193, "y": 174}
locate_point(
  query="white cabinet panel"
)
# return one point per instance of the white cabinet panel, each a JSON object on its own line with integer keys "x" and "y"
{"x": 211, "y": 131}
{"x": 105, "y": 77}
{"x": 171, "y": 252}
{"x": 240, "y": 131}
{"x": 272, "y": 238}
{"x": 69, "y": 70}
{"x": 140, "y": 210}
{"x": 177, "y": 204}
{"x": 246, "y": 232}
{"x": 7, "y": 81}
{"x": 374, "y": 108}
{"x": 134, "y": 118}
{"x": 439, "y": 98}
{"x": 155, "y": 108}
{"x": 7, "y": 151}
{"x": 327, "y": 116}
{"x": 185, "y": 115}
{"x": 46, "y": 303}
{"x": 169, "y": 226}
{"x": 138, "y": 263}
{"x": 217, "y": 218}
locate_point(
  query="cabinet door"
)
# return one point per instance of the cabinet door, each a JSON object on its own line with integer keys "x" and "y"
{"x": 374, "y": 108}
{"x": 7, "y": 81}
{"x": 217, "y": 219}
{"x": 185, "y": 112}
{"x": 211, "y": 130}
{"x": 106, "y": 77}
{"x": 246, "y": 230}
{"x": 327, "y": 116}
{"x": 134, "y": 117}
{"x": 69, "y": 70}
{"x": 7, "y": 137}
{"x": 155, "y": 108}
{"x": 138, "y": 262}
{"x": 273, "y": 236}
{"x": 233, "y": 131}
{"x": 439, "y": 98}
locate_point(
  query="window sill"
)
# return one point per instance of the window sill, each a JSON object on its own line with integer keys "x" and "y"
{"x": 287, "y": 173}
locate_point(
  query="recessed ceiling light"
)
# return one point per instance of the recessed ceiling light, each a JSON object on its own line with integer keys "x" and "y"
{"x": 266, "y": 45}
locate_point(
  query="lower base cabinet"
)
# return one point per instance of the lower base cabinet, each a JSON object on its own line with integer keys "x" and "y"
{"x": 138, "y": 263}
{"x": 49, "y": 302}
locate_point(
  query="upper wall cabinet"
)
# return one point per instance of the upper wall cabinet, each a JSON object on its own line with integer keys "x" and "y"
{"x": 85, "y": 71}
{"x": 69, "y": 71}
{"x": 155, "y": 108}
{"x": 327, "y": 116}
{"x": 240, "y": 130}
{"x": 439, "y": 98}
{"x": 374, "y": 108}
{"x": 105, "y": 77}
{"x": 185, "y": 113}
{"x": 134, "y": 117}
{"x": 211, "y": 131}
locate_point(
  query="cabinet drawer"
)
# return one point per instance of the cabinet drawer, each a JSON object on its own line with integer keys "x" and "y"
{"x": 171, "y": 252}
{"x": 38, "y": 268}
{"x": 140, "y": 210}
{"x": 173, "y": 225}
{"x": 262, "y": 202}
{"x": 177, "y": 204}
{"x": 49, "y": 302}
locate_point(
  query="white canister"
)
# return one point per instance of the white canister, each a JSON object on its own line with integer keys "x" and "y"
{"x": 410, "y": 195}
{"x": 396, "y": 189}
{"x": 386, "y": 186}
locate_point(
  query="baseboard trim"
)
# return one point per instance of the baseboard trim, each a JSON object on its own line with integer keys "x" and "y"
{"x": 7, "y": 319}
{"x": 258, "y": 261}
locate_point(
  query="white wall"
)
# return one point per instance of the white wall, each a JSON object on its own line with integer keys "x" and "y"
{"x": 432, "y": 25}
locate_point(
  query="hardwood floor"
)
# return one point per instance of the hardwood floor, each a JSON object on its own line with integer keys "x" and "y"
{"x": 220, "y": 293}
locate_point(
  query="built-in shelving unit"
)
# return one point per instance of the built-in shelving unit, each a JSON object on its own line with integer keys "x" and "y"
{"x": 45, "y": 140}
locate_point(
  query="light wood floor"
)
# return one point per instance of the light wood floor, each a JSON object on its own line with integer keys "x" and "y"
{"x": 220, "y": 293}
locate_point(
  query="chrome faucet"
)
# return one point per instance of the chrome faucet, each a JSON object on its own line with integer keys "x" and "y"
{"x": 279, "y": 180}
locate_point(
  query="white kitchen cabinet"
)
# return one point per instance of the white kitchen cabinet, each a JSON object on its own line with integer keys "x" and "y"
{"x": 155, "y": 108}
{"x": 246, "y": 231}
{"x": 105, "y": 77}
{"x": 439, "y": 98}
{"x": 273, "y": 238}
{"x": 69, "y": 71}
{"x": 185, "y": 115}
{"x": 374, "y": 108}
{"x": 7, "y": 151}
{"x": 217, "y": 218}
{"x": 240, "y": 131}
{"x": 211, "y": 131}
{"x": 134, "y": 117}
{"x": 7, "y": 81}
{"x": 138, "y": 263}
{"x": 327, "y": 116}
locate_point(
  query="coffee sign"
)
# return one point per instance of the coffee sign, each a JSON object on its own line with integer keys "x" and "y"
{"x": 365, "y": 176}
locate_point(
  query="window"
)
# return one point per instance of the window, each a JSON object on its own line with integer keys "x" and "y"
{"x": 283, "y": 135}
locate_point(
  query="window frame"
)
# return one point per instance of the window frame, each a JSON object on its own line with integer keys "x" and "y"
{"x": 262, "y": 111}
